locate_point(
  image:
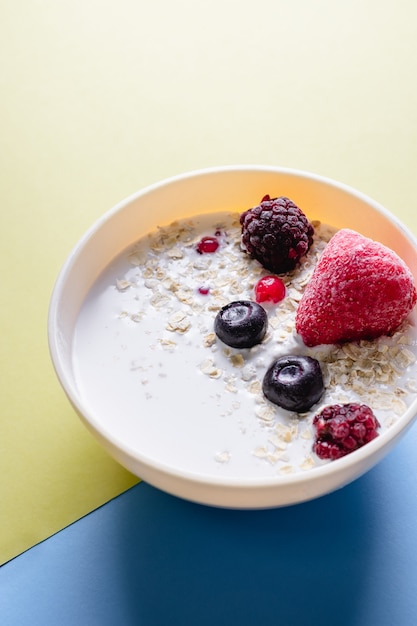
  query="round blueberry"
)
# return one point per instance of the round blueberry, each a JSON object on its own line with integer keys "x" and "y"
{"x": 294, "y": 383}
{"x": 241, "y": 324}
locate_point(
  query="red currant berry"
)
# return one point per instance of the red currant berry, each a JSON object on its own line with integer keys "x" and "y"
{"x": 207, "y": 245}
{"x": 269, "y": 289}
{"x": 204, "y": 290}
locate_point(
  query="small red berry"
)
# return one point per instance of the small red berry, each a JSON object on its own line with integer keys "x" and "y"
{"x": 204, "y": 290}
{"x": 207, "y": 245}
{"x": 269, "y": 289}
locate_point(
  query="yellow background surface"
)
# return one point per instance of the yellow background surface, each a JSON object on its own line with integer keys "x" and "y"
{"x": 99, "y": 99}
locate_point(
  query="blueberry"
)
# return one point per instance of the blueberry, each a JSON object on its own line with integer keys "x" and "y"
{"x": 294, "y": 383}
{"x": 241, "y": 324}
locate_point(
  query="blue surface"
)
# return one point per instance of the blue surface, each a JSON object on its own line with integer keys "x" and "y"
{"x": 150, "y": 559}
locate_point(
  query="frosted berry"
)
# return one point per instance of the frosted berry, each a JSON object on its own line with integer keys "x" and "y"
{"x": 241, "y": 324}
{"x": 360, "y": 289}
{"x": 207, "y": 245}
{"x": 269, "y": 289}
{"x": 276, "y": 233}
{"x": 294, "y": 383}
{"x": 342, "y": 428}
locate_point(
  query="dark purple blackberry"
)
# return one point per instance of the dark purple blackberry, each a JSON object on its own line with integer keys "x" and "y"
{"x": 276, "y": 233}
{"x": 342, "y": 428}
{"x": 294, "y": 382}
{"x": 241, "y": 324}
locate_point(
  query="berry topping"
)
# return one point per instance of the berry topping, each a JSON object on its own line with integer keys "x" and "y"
{"x": 276, "y": 233}
{"x": 342, "y": 428}
{"x": 204, "y": 290}
{"x": 269, "y": 289}
{"x": 241, "y": 324}
{"x": 207, "y": 245}
{"x": 360, "y": 289}
{"x": 294, "y": 383}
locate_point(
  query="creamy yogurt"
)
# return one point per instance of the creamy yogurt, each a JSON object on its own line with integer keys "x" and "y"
{"x": 145, "y": 355}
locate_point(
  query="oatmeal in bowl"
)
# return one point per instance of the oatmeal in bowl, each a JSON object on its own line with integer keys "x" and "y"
{"x": 242, "y": 337}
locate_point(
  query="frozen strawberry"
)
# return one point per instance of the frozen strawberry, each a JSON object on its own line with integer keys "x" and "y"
{"x": 360, "y": 289}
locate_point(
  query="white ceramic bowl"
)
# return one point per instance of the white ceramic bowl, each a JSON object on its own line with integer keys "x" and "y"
{"x": 212, "y": 190}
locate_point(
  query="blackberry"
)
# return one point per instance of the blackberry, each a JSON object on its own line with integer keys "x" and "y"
{"x": 343, "y": 428}
{"x": 276, "y": 233}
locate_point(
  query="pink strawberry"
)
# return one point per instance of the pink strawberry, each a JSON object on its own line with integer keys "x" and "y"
{"x": 360, "y": 289}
